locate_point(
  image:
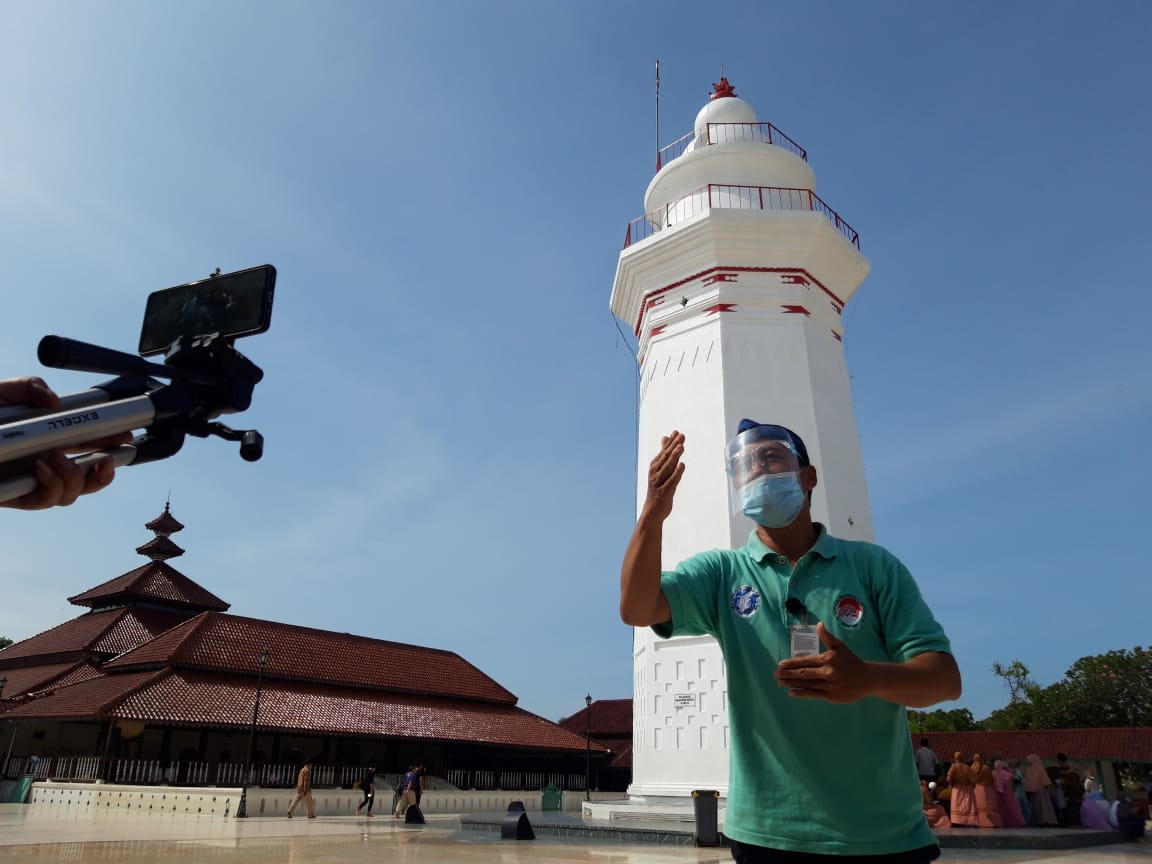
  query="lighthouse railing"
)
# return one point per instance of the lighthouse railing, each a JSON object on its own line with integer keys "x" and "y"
{"x": 728, "y": 133}
{"x": 725, "y": 197}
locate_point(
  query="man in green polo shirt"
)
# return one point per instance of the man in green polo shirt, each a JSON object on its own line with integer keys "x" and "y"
{"x": 825, "y": 641}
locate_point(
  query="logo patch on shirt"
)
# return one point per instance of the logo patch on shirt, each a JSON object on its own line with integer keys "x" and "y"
{"x": 745, "y": 601}
{"x": 849, "y": 611}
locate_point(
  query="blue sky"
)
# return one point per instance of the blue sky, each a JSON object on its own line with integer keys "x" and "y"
{"x": 448, "y": 405}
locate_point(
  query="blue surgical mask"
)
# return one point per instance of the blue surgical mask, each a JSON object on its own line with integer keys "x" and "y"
{"x": 773, "y": 500}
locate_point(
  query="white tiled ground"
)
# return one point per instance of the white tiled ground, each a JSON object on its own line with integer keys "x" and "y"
{"x": 43, "y": 835}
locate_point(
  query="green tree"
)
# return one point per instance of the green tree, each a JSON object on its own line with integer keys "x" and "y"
{"x": 4, "y": 642}
{"x": 1112, "y": 689}
{"x": 1017, "y": 678}
{"x": 1023, "y": 692}
{"x": 956, "y": 720}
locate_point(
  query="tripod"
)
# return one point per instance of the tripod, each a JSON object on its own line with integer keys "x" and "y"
{"x": 207, "y": 377}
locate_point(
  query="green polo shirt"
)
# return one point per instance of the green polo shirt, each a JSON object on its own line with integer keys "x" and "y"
{"x": 807, "y": 775}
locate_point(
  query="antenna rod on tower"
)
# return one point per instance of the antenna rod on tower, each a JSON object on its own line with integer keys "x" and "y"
{"x": 657, "y": 114}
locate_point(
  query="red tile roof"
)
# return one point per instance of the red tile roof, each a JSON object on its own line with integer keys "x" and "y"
{"x": 213, "y": 641}
{"x": 86, "y": 700}
{"x": 1127, "y": 743}
{"x": 611, "y": 718}
{"x": 160, "y": 549}
{"x": 204, "y": 699}
{"x": 111, "y": 631}
{"x": 24, "y": 680}
{"x": 84, "y": 672}
{"x": 156, "y": 581}
{"x": 165, "y": 523}
{"x": 136, "y": 627}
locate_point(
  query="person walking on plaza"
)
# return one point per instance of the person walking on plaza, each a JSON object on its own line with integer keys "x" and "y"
{"x": 421, "y": 772}
{"x": 304, "y": 792}
{"x": 770, "y": 605}
{"x": 368, "y": 787}
{"x": 409, "y": 796}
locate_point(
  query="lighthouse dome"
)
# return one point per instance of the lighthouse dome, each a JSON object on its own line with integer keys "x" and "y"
{"x": 730, "y": 148}
{"x": 730, "y": 109}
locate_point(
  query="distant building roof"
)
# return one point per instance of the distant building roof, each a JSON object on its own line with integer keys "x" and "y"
{"x": 164, "y": 524}
{"x": 107, "y": 632}
{"x": 156, "y": 581}
{"x": 229, "y": 643}
{"x": 204, "y": 699}
{"x": 158, "y": 648}
{"x": 610, "y": 718}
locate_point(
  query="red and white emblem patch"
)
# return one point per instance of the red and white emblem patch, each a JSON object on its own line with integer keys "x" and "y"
{"x": 849, "y": 611}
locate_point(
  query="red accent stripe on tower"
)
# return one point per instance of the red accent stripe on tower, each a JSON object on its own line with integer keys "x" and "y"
{"x": 719, "y": 277}
{"x": 654, "y": 298}
{"x": 720, "y": 307}
{"x": 796, "y": 310}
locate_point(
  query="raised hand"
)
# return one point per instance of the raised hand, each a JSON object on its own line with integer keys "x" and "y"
{"x": 664, "y": 475}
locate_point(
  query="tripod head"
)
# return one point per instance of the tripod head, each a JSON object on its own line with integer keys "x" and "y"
{"x": 206, "y": 376}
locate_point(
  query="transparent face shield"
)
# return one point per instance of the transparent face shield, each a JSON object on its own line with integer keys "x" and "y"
{"x": 755, "y": 453}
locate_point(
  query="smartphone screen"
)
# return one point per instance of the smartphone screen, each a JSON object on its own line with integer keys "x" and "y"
{"x": 231, "y": 304}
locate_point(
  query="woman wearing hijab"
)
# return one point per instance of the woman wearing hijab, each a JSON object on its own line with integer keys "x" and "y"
{"x": 1093, "y": 808}
{"x": 963, "y": 808}
{"x": 1003, "y": 779}
{"x": 933, "y": 812}
{"x": 984, "y": 791}
{"x": 1038, "y": 785}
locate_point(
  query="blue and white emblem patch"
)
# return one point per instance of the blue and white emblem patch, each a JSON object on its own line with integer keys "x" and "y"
{"x": 745, "y": 601}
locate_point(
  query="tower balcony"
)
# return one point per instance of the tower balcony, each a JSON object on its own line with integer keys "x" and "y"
{"x": 728, "y": 133}
{"x": 727, "y": 197}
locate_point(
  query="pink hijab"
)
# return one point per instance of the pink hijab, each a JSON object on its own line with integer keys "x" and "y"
{"x": 1003, "y": 775}
{"x": 1035, "y": 775}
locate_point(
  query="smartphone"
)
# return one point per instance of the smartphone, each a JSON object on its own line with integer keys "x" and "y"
{"x": 230, "y": 304}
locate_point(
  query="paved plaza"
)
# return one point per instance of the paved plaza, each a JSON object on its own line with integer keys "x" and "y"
{"x": 48, "y": 834}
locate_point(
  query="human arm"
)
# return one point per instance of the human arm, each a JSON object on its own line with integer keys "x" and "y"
{"x": 61, "y": 482}
{"x": 838, "y": 675}
{"x": 642, "y": 602}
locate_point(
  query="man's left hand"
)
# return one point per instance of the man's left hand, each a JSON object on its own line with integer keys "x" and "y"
{"x": 836, "y": 675}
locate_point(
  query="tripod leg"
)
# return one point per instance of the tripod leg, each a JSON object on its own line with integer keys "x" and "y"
{"x": 15, "y": 487}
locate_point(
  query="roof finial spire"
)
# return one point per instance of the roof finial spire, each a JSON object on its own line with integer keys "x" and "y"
{"x": 723, "y": 88}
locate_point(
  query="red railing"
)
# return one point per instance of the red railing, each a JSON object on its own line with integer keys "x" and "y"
{"x": 734, "y": 198}
{"x": 727, "y": 133}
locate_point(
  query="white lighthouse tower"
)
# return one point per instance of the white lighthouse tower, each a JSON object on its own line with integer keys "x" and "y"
{"x": 734, "y": 281}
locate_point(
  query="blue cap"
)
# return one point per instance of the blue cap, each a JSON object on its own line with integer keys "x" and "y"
{"x": 771, "y": 431}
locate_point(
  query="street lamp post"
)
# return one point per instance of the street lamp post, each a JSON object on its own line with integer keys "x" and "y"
{"x": 588, "y": 748}
{"x": 4, "y": 767}
{"x": 242, "y": 808}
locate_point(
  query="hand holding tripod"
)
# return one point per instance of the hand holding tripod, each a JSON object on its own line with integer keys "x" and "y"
{"x": 206, "y": 377}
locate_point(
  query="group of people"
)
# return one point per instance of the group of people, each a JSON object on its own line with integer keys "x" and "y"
{"x": 408, "y": 791}
{"x": 1023, "y": 793}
